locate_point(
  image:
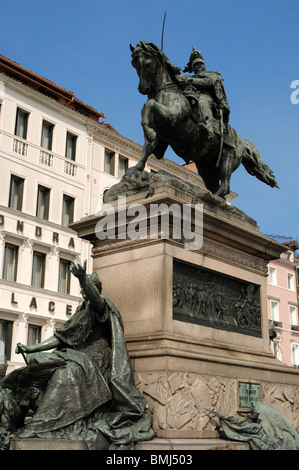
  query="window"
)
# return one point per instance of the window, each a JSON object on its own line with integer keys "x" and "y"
{"x": 10, "y": 262}
{"x": 290, "y": 281}
{"x": 5, "y": 340}
{"x": 67, "y": 210}
{"x": 277, "y": 350}
{"x": 43, "y": 202}
{"x": 274, "y": 310}
{"x": 109, "y": 163}
{"x": 21, "y": 123}
{"x": 47, "y": 135}
{"x": 70, "y": 148}
{"x": 64, "y": 281}
{"x": 33, "y": 335}
{"x": 123, "y": 164}
{"x": 295, "y": 353}
{"x": 293, "y": 315}
{"x": 272, "y": 275}
{"x": 16, "y": 193}
{"x": 38, "y": 269}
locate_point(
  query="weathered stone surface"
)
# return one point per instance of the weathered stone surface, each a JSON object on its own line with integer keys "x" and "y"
{"x": 46, "y": 444}
{"x": 191, "y": 444}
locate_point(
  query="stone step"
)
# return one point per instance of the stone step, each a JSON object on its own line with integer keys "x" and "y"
{"x": 191, "y": 444}
{"x": 46, "y": 444}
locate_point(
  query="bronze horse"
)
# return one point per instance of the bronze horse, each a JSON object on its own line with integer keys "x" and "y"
{"x": 169, "y": 120}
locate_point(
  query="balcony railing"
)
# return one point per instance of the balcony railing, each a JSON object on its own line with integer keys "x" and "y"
{"x": 20, "y": 147}
{"x": 40, "y": 156}
{"x": 70, "y": 168}
{"x": 46, "y": 158}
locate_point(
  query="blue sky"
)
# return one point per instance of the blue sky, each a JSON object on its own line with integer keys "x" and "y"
{"x": 84, "y": 47}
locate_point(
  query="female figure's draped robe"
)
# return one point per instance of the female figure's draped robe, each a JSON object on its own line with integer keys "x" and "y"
{"x": 91, "y": 393}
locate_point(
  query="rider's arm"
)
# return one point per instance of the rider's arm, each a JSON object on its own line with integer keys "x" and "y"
{"x": 201, "y": 83}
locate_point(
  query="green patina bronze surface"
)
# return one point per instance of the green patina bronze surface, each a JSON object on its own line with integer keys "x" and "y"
{"x": 264, "y": 429}
{"x": 190, "y": 113}
{"x": 82, "y": 390}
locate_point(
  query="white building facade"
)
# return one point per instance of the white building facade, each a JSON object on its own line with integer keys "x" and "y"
{"x": 57, "y": 158}
{"x": 283, "y": 305}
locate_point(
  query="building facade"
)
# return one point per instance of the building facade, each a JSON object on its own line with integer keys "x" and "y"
{"x": 58, "y": 156}
{"x": 283, "y": 305}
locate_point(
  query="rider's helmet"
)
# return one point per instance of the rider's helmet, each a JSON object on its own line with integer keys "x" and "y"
{"x": 195, "y": 57}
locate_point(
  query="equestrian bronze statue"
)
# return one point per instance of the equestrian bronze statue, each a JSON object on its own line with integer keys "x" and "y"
{"x": 190, "y": 114}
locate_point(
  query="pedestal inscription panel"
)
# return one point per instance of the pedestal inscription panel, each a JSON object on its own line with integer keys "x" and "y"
{"x": 249, "y": 394}
{"x": 212, "y": 299}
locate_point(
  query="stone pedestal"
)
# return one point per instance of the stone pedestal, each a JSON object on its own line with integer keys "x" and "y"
{"x": 46, "y": 444}
{"x": 186, "y": 362}
{"x": 159, "y": 444}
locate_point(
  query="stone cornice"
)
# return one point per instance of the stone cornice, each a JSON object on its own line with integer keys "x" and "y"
{"x": 51, "y": 103}
{"x": 244, "y": 241}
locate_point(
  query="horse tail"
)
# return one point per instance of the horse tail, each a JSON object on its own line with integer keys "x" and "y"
{"x": 255, "y": 166}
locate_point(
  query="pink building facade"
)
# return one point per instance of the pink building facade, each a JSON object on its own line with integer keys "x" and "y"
{"x": 283, "y": 305}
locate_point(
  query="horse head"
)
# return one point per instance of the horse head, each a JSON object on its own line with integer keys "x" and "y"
{"x": 152, "y": 66}
{"x": 143, "y": 60}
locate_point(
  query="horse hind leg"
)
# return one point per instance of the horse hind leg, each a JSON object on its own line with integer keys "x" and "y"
{"x": 224, "y": 186}
{"x": 210, "y": 180}
{"x": 223, "y": 189}
{"x": 225, "y": 172}
{"x": 218, "y": 182}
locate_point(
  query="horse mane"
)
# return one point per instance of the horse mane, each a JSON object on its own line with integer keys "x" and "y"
{"x": 151, "y": 49}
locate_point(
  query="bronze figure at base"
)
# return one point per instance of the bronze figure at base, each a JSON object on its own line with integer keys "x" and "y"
{"x": 83, "y": 389}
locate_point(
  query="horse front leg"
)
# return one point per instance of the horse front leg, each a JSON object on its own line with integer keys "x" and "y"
{"x": 146, "y": 152}
{"x": 149, "y": 138}
{"x": 157, "y": 114}
{"x": 158, "y": 149}
{"x": 152, "y": 145}
{"x": 150, "y": 134}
